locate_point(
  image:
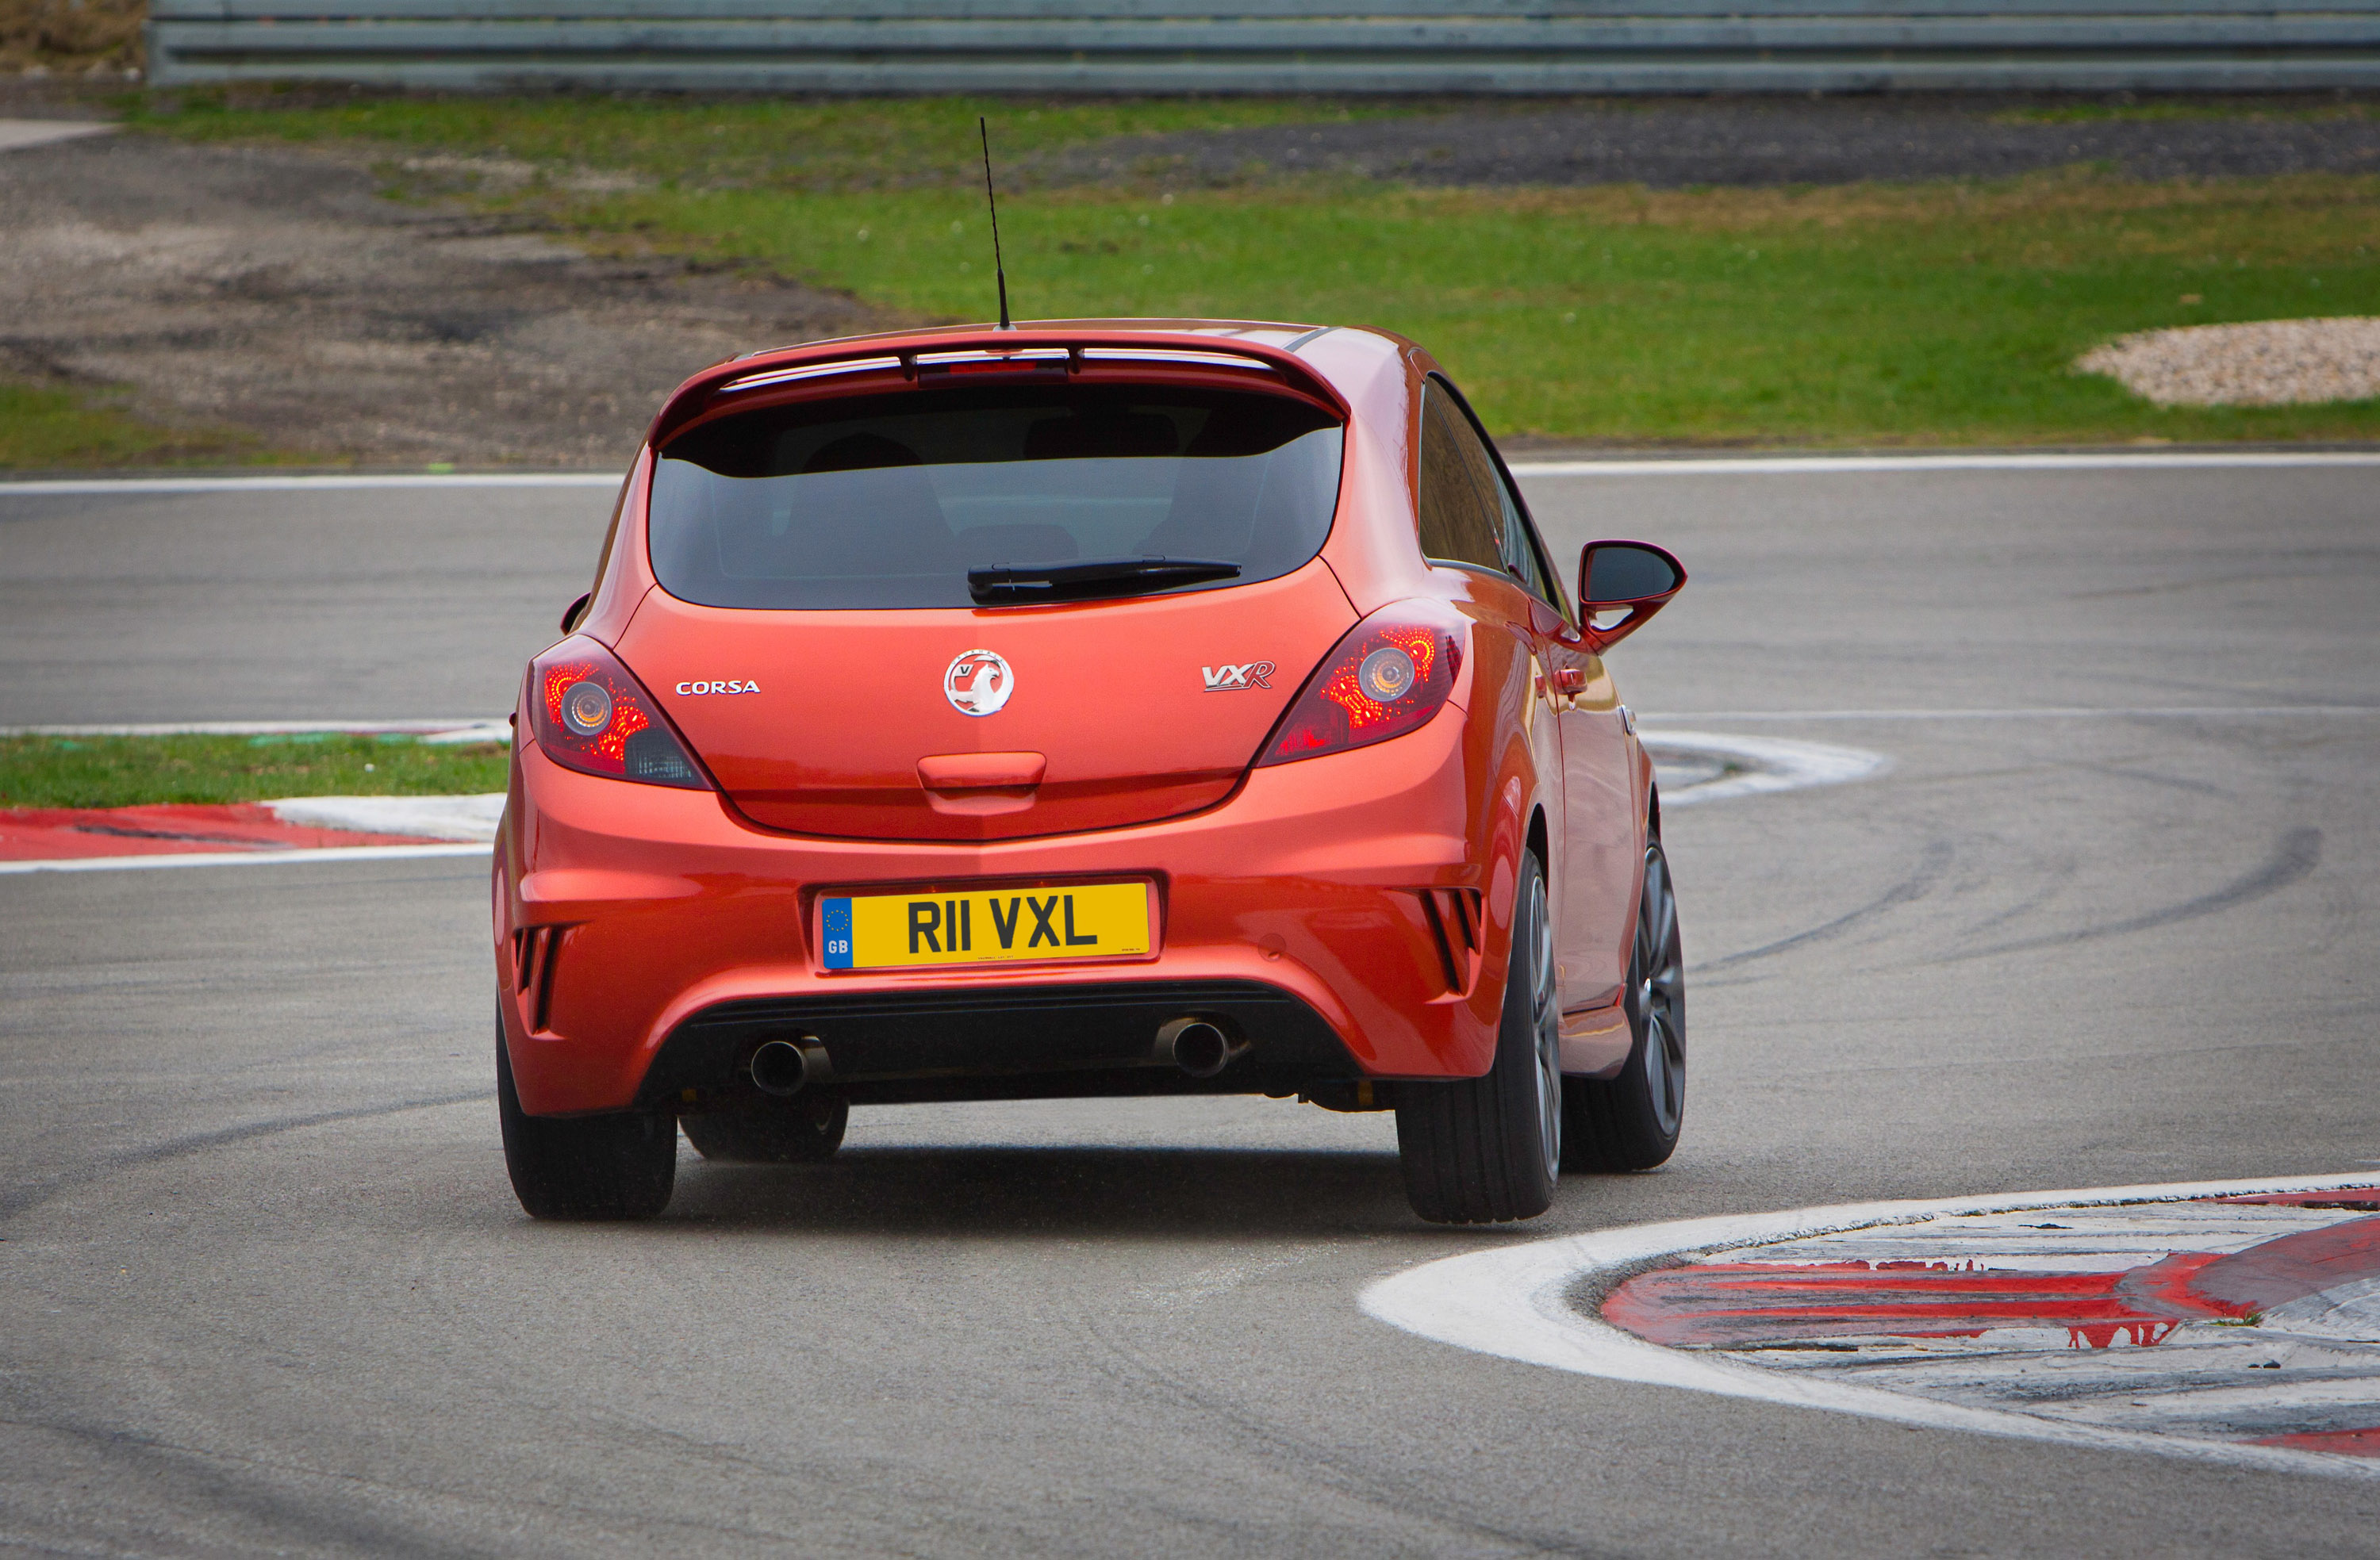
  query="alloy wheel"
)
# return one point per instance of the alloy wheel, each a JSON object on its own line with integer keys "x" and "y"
{"x": 1545, "y": 1020}
{"x": 1662, "y": 992}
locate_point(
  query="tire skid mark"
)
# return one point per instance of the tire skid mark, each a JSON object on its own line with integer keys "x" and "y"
{"x": 1931, "y": 865}
{"x": 245, "y": 1481}
{"x": 24, "y": 1199}
{"x": 1439, "y": 1509}
{"x": 2297, "y": 855}
{"x": 239, "y": 1481}
{"x": 2053, "y": 875}
{"x": 2150, "y": 777}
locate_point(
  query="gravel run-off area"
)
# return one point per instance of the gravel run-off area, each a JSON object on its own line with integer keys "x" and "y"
{"x": 273, "y": 288}
{"x": 2262, "y": 363}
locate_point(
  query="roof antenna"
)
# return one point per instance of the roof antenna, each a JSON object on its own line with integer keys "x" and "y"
{"x": 999, "y": 274}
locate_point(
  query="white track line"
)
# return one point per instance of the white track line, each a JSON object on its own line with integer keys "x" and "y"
{"x": 1516, "y": 1302}
{"x": 1731, "y": 466}
{"x": 242, "y": 858}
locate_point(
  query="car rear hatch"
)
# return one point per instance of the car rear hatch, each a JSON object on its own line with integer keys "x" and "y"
{"x": 985, "y": 611}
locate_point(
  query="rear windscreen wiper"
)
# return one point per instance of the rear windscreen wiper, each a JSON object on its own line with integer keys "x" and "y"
{"x": 1008, "y": 585}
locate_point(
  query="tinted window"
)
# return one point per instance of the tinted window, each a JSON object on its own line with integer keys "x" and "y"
{"x": 1520, "y": 557}
{"x": 1468, "y": 513}
{"x": 889, "y": 501}
{"x": 1461, "y": 503}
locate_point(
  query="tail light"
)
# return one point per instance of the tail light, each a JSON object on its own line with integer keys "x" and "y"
{"x": 1390, "y": 675}
{"x": 590, "y": 715}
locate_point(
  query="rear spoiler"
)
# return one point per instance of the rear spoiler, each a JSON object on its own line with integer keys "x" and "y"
{"x": 1053, "y": 353}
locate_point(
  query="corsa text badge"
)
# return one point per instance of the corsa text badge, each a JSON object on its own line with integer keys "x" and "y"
{"x": 977, "y": 683}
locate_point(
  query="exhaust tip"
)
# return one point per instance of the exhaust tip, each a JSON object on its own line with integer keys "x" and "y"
{"x": 1197, "y": 1046}
{"x": 779, "y": 1068}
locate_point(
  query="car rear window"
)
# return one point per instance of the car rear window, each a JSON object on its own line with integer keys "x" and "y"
{"x": 888, "y": 501}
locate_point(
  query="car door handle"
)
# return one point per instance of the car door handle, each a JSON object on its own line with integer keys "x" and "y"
{"x": 1569, "y": 678}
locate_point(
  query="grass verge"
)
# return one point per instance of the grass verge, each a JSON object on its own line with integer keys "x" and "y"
{"x": 1943, "y": 313}
{"x": 50, "y": 771}
{"x": 1914, "y": 315}
{"x": 44, "y": 428}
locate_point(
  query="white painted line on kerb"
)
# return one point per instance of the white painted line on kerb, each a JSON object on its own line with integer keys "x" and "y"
{"x": 452, "y": 818}
{"x": 242, "y": 858}
{"x": 1516, "y": 1302}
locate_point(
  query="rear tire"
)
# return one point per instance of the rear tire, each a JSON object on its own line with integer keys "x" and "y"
{"x": 620, "y": 1166}
{"x": 1484, "y": 1150}
{"x": 802, "y": 1131}
{"x": 1632, "y": 1121}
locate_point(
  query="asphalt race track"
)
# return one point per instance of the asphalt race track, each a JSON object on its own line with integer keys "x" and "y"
{"x": 263, "y": 1286}
{"x": 322, "y": 603}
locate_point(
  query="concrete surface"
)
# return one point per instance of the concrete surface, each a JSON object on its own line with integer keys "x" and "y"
{"x": 262, "y": 1284}
{"x": 16, "y": 135}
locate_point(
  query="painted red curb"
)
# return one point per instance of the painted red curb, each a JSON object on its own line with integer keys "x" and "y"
{"x": 2295, "y": 1388}
{"x": 79, "y": 833}
{"x": 1734, "y": 1304}
{"x": 2339, "y": 1443}
{"x": 1739, "y": 1305}
{"x": 2155, "y": 1309}
{"x": 2365, "y": 1198}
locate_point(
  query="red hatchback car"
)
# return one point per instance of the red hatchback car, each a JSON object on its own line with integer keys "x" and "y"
{"x": 1088, "y": 709}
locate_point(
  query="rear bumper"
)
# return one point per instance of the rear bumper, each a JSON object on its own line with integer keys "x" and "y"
{"x": 1019, "y": 1043}
{"x": 647, "y": 938}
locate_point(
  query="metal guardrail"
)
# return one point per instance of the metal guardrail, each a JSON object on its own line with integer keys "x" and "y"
{"x": 1353, "y": 46}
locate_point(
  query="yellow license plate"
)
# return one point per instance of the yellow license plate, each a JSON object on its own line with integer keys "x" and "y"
{"x": 985, "y": 927}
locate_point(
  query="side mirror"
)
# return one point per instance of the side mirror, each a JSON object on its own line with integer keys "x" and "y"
{"x": 573, "y": 612}
{"x": 1633, "y": 577}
